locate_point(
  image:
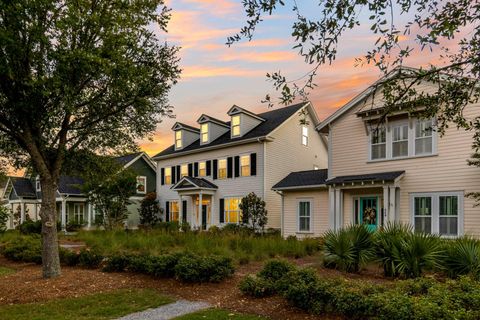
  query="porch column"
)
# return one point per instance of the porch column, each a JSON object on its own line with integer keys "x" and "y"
{"x": 331, "y": 208}
{"x": 64, "y": 215}
{"x": 393, "y": 204}
{"x": 89, "y": 215}
{"x": 386, "y": 206}
{"x": 213, "y": 214}
{"x": 22, "y": 212}
{"x": 200, "y": 198}
{"x": 338, "y": 209}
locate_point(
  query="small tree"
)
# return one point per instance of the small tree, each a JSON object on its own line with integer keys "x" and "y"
{"x": 149, "y": 210}
{"x": 254, "y": 212}
{"x": 4, "y": 215}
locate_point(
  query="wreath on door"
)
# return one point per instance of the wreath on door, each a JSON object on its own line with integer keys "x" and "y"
{"x": 369, "y": 216}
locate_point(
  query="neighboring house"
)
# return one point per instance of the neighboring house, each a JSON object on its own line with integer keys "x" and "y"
{"x": 204, "y": 175}
{"x": 400, "y": 169}
{"x": 23, "y": 194}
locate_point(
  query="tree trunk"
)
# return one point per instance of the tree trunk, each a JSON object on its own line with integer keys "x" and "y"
{"x": 50, "y": 256}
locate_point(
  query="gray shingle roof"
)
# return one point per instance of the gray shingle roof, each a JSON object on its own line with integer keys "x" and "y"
{"x": 198, "y": 182}
{"x": 23, "y": 187}
{"x": 123, "y": 160}
{"x": 273, "y": 119}
{"x": 375, "y": 177}
{"x": 302, "y": 179}
{"x": 70, "y": 185}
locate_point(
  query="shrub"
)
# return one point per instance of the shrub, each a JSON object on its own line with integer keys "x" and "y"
{"x": 30, "y": 227}
{"x": 462, "y": 257}
{"x": 348, "y": 249}
{"x": 73, "y": 226}
{"x": 117, "y": 263}
{"x": 164, "y": 265}
{"x": 171, "y": 226}
{"x": 89, "y": 259}
{"x": 193, "y": 268}
{"x": 149, "y": 210}
{"x": 388, "y": 243}
{"x": 25, "y": 249}
{"x": 256, "y": 287}
{"x": 68, "y": 257}
{"x": 140, "y": 264}
{"x": 275, "y": 270}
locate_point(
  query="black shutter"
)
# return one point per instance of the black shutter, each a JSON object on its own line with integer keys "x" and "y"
{"x": 253, "y": 164}
{"x": 162, "y": 175}
{"x": 178, "y": 173}
{"x": 184, "y": 210}
{"x": 229, "y": 167}
{"x": 167, "y": 211}
{"x": 195, "y": 169}
{"x": 209, "y": 168}
{"x": 237, "y": 166}
{"x": 215, "y": 168}
{"x": 174, "y": 175}
{"x": 222, "y": 210}
{"x": 190, "y": 169}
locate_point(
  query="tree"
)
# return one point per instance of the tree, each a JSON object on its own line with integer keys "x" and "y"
{"x": 4, "y": 216}
{"x": 74, "y": 76}
{"x": 254, "y": 212}
{"x": 436, "y": 24}
{"x": 149, "y": 210}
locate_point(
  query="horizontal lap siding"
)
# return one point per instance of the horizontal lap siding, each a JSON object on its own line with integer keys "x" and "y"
{"x": 320, "y": 212}
{"x": 448, "y": 171}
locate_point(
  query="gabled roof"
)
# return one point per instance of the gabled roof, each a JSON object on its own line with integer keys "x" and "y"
{"x": 367, "y": 178}
{"x": 303, "y": 180}
{"x": 129, "y": 159}
{"x": 23, "y": 187}
{"x": 204, "y": 118}
{"x": 194, "y": 183}
{"x": 179, "y": 126}
{"x": 70, "y": 185}
{"x": 273, "y": 119}
{"x": 236, "y": 110}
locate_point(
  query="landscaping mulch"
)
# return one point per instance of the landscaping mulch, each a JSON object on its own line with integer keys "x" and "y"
{"x": 26, "y": 285}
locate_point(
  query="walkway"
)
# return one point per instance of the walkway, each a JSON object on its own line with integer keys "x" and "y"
{"x": 169, "y": 311}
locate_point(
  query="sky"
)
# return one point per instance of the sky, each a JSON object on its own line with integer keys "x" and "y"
{"x": 215, "y": 76}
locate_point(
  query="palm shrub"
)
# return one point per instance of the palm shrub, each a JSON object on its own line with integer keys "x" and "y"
{"x": 388, "y": 243}
{"x": 348, "y": 249}
{"x": 462, "y": 257}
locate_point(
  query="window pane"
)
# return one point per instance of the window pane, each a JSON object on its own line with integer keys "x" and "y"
{"x": 423, "y": 206}
{"x": 400, "y": 149}
{"x": 236, "y": 130}
{"x": 235, "y": 120}
{"x": 304, "y": 224}
{"x": 423, "y": 145}
{"x": 233, "y": 217}
{"x": 178, "y": 135}
{"x": 449, "y": 206}
{"x": 423, "y": 224}
{"x": 202, "y": 169}
{"x": 378, "y": 135}
{"x": 379, "y": 151}
{"x": 184, "y": 170}
{"x": 449, "y": 226}
{"x": 423, "y": 128}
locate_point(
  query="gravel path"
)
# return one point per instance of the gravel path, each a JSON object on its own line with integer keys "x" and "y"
{"x": 169, "y": 311}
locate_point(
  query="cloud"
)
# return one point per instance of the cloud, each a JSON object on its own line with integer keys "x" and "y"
{"x": 202, "y": 71}
{"x": 271, "y": 56}
{"x": 215, "y": 7}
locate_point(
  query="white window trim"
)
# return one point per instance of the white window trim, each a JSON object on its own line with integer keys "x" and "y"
{"x": 144, "y": 191}
{"x": 205, "y": 162}
{"x": 165, "y": 175}
{"x": 225, "y": 215}
{"x": 218, "y": 169}
{"x": 178, "y": 139}
{"x": 411, "y": 140}
{"x": 310, "y": 200}
{"x": 170, "y": 211}
{"x": 239, "y": 126}
{"x": 249, "y": 165}
{"x": 208, "y": 133}
{"x": 304, "y": 136}
{"x": 436, "y": 208}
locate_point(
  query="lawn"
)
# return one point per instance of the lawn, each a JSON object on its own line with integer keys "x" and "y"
{"x": 5, "y": 271}
{"x": 218, "y": 314}
{"x": 98, "y": 306}
{"x": 238, "y": 246}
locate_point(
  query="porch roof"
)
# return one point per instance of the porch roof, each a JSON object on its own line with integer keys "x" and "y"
{"x": 302, "y": 180}
{"x": 369, "y": 177}
{"x": 188, "y": 183}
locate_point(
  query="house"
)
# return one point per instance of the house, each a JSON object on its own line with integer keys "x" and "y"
{"x": 400, "y": 169}
{"x": 204, "y": 175}
{"x": 23, "y": 195}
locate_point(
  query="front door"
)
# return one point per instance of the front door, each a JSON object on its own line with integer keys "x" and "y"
{"x": 369, "y": 212}
{"x": 204, "y": 216}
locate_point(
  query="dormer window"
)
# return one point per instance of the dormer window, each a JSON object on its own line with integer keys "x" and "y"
{"x": 178, "y": 139}
{"x": 204, "y": 133}
{"x": 235, "y": 126}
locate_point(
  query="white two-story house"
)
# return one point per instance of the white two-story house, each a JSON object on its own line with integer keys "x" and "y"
{"x": 384, "y": 170}
{"x": 204, "y": 175}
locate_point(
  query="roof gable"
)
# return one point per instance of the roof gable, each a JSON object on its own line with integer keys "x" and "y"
{"x": 183, "y": 126}
{"x": 205, "y": 118}
{"x": 236, "y": 110}
{"x": 187, "y": 183}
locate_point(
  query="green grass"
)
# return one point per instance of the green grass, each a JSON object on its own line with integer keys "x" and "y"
{"x": 241, "y": 247}
{"x": 5, "y": 271}
{"x": 98, "y": 306}
{"x": 218, "y": 314}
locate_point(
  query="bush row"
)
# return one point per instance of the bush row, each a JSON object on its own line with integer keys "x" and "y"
{"x": 185, "y": 266}
{"x": 422, "y": 298}
{"x": 401, "y": 252}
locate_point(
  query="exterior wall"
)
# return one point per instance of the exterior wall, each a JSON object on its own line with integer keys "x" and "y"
{"x": 286, "y": 154}
{"x": 230, "y": 187}
{"x": 141, "y": 168}
{"x": 319, "y": 219}
{"x": 247, "y": 123}
{"x": 445, "y": 171}
{"x": 215, "y": 131}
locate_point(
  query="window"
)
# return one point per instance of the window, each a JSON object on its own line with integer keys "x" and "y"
{"x": 178, "y": 139}
{"x": 38, "y": 185}
{"x": 304, "y": 216}
{"x": 174, "y": 211}
{"x": 222, "y": 169}
{"x": 141, "y": 184}
{"x": 183, "y": 170}
{"x": 378, "y": 143}
{"x": 78, "y": 213}
{"x": 233, "y": 214}
{"x": 168, "y": 175}
{"x": 438, "y": 213}
{"x": 235, "y": 126}
{"x": 400, "y": 141}
{"x": 423, "y": 214}
{"x": 245, "y": 166}
{"x": 423, "y": 137}
{"x": 204, "y": 132}
{"x": 202, "y": 169}
{"x": 305, "y": 135}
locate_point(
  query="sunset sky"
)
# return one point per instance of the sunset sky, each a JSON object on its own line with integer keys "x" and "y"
{"x": 215, "y": 76}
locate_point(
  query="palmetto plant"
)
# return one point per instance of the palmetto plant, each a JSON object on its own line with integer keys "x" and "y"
{"x": 462, "y": 257}
{"x": 349, "y": 249}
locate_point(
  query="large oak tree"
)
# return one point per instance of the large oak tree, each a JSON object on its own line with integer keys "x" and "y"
{"x": 83, "y": 75}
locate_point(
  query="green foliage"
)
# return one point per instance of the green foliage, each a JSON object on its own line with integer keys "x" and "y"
{"x": 170, "y": 226}
{"x": 254, "y": 212}
{"x": 30, "y": 227}
{"x": 255, "y": 286}
{"x": 149, "y": 210}
{"x": 68, "y": 257}
{"x": 275, "y": 270}
{"x": 24, "y": 249}
{"x": 219, "y": 314}
{"x": 192, "y": 268}
{"x": 349, "y": 248}
{"x": 89, "y": 259}
{"x": 4, "y": 216}
{"x": 116, "y": 263}
{"x": 462, "y": 257}
{"x": 164, "y": 265}
{"x": 388, "y": 243}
